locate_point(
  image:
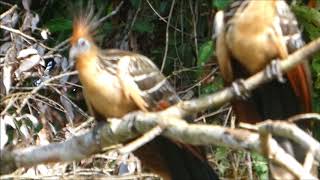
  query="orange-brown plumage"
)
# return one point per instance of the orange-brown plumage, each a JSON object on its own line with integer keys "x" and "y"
{"x": 252, "y": 35}
{"x": 299, "y": 78}
{"x": 117, "y": 82}
{"x": 312, "y": 3}
{"x": 252, "y": 38}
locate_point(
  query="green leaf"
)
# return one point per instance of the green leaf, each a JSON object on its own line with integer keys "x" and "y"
{"x": 309, "y": 18}
{"x": 135, "y": 3}
{"x": 59, "y": 24}
{"x": 260, "y": 165}
{"x": 221, "y": 156}
{"x": 109, "y": 8}
{"x": 143, "y": 26}
{"x": 163, "y": 7}
{"x": 213, "y": 87}
{"x": 220, "y": 4}
{"x": 205, "y": 52}
{"x": 316, "y": 64}
{"x": 316, "y": 106}
{"x": 317, "y": 82}
{"x": 107, "y": 27}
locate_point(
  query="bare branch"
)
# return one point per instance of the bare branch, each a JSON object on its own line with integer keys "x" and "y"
{"x": 121, "y": 130}
{"x": 137, "y": 123}
{"x": 291, "y": 131}
{"x": 8, "y": 11}
{"x": 227, "y": 94}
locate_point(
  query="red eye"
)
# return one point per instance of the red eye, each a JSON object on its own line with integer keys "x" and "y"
{"x": 82, "y": 42}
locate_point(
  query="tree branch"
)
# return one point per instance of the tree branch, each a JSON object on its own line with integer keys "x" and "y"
{"x": 121, "y": 130}
{"x": 137, "y": 123}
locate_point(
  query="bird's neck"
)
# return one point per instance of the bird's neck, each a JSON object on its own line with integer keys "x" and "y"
{"x": 87, "y": 59}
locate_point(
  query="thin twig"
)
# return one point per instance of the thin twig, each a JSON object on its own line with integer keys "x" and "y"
{"x": 90, "y": 120}
{"x": 115, "y": 11}
{"x": 17, "y": 32}
{"x": 44, "y": 83}
{"x": 144, "y": 139}
{"x": 306, "y": 116}
{"x": 249, "y": 165}
{"x": 8, "y": 11}
{"x": 167, "y": 37}
{"x": 292, "y": 132}
{"x": 57, "y": 47}
{"x": 194, "y": 24}
{"x": 164, "y": 20}
{"x": 85, "y": 145}
{"x": 71, "y": 102}
{"x": 5, "y": 3}
{"x": 309, "y": 161}
{"x": 135, "y": 18}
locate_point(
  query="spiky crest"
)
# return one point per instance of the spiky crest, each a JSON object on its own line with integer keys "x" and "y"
{"x": 84, "y": 25}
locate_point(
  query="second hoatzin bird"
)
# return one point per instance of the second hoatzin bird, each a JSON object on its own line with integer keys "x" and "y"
{"x": 252, "y": 34}
{"x": 116, "y": 82}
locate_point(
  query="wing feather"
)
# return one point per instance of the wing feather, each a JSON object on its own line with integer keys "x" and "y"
{"x": 299, "y": 77}
{"x": 141, "y": 80}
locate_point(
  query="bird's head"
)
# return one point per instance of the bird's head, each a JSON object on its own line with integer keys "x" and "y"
{"x": 81, "y": 40}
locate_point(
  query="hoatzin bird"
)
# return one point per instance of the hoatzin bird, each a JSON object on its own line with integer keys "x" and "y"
{"x": 250, "y": 35}
{"x": 116, "y": 82}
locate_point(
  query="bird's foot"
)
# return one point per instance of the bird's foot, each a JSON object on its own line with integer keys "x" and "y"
{"x": 240, "y": 89}
{"x": 273, "y": 70}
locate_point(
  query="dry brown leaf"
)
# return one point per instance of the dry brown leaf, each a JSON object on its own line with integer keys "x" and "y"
{"x": 6, "y": 78}
{"x": 27, "y": 52}
{"x": 30, "y": 58}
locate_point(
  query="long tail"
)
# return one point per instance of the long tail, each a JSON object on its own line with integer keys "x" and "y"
{"x": 174, "y": 162}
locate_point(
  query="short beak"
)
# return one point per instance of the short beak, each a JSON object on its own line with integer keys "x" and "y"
{"x": 72, "y": 53}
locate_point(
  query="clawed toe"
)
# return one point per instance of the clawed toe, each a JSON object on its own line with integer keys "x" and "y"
{"x": 240, "y": 89}
{"x": 273, "y": 70}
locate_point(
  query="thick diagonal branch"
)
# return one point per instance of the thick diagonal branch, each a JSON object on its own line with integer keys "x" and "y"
{"x": 135, "y": 124}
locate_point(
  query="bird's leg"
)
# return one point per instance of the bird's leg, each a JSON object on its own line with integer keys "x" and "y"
{"x": 97, "y": 132}
{"x": 240, "y": 90}
{"x": 99, "y": 122}
{"x": 273, "y": 70}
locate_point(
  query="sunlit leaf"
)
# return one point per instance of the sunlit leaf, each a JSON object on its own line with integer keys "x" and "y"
{"x": 310, "y": 19}
{"x": 6, "y": 79}
{"x": 260, "y": 165}
{"x": 27, "y": 64}
{"x": 6, "y": 120}
{"x": 44, "y": 34}
{"x": 32, "y": 118}
{"x": 316, "y": 64}
{"x": 220, "y": 4}
{"x": 205, "y": 52}
{"x": 216, "y": 85}
{"x": 25, "y": 131}
{"x": 26, "y": 52}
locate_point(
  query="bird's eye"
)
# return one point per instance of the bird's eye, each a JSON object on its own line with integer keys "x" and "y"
{"x": 82, "y": 42}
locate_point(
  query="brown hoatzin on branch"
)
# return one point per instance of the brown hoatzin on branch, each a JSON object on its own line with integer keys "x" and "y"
{"x": 251, "y": 35}
{"x": 116, "y": 82}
